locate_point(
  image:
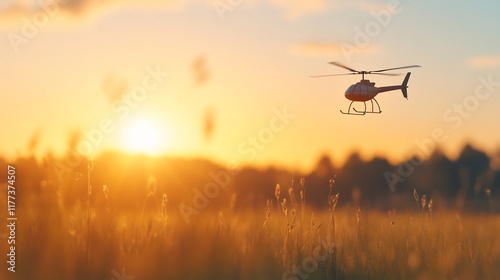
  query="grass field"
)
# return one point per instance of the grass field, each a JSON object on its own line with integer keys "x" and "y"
{"x": 291, "y": 241}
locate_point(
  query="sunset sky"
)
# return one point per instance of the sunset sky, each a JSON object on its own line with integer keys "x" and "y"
{"x": 240, "y": 69}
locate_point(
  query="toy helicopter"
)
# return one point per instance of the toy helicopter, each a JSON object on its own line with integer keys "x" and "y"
{"x": 365, "y": 90}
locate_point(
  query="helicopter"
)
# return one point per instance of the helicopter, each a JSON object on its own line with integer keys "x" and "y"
{"x": 365, "y": 90}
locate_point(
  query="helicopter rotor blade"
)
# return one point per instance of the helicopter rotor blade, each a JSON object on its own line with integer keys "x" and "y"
{"x": 385, "y": 74}
{"x": 356, "y": 72}
{"x": 389, "y": 69}
{"x": 321, "y": 76}
{"x": 342, "y": 66}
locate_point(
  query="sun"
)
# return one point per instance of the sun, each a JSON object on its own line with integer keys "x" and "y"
{"x": 143, "y": 135}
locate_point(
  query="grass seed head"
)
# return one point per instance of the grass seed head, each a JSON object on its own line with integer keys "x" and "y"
{"x": 415, "y": 196}
{"x": 332, "y": 201}
{"x": 332, "y": 181}
{"x": 105, "y": 189}
{"x": 164, "y": 200}
{"x": 283, "y": 207}
{"x": 90, "y": 164}
{"x": 164, "y": 204}
{"x": 269, "y": 208}
{"x": 424, "y": 201}
{"x": 277, "y": 192}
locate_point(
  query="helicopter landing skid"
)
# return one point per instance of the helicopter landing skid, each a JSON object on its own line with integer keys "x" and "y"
{"x": 356, "y": 112}
{"x": 362, "y": 113}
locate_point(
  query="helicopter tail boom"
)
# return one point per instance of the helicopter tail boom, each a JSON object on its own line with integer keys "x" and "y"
{"x": 404, "y": 85}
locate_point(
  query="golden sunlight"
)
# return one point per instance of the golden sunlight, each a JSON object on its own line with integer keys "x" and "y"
{"x": 143, "y": 135}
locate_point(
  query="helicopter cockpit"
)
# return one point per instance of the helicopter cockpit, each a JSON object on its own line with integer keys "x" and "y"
{"x": 358, "y": 89}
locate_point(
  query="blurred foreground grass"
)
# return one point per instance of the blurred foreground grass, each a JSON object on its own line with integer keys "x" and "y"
{"x": 275, "y": 243}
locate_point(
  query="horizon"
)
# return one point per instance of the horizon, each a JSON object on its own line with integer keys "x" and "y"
{"x": 59, "y": 162}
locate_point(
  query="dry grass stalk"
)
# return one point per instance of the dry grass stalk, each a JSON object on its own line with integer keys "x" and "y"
{"x": 488, "y": 196}
{"x": 150, "y": 202}
{"x": 415, "y": 196}
{"x": 424, "y": 202}
{"x": 392, "y": 216}
{"x": 284, "y": 208}
{"x": 269, "y": 209}
{"x": 223, "y": 225}
{"x": 430, "y": 207}
{"x": 332, "y": 201}
{"x": 302, "y": 197}
{"x": 105, "y": 190}
{"x": 90, "y": 167}
{"x": 292, "y": 198}
{"x": 164, "y": 205}
{"x": 285, "y": 231}
{"x": 358, "y": 219}
{"x": 291, "y": 225}
{"x": 277, "y": 193}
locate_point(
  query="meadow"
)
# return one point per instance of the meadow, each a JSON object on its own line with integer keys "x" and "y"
{"x": 285, "y": 239}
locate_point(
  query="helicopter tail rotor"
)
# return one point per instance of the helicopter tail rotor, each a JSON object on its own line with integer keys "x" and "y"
{"x": 404, "y": 85}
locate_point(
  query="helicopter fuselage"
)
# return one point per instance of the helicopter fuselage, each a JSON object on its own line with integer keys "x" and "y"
{"x": 365, "y": 90}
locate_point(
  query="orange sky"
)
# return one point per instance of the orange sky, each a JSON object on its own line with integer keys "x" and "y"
{"x": 247, "y": 66}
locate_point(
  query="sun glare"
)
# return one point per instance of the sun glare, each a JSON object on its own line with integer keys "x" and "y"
{"x": 143, "y": 136}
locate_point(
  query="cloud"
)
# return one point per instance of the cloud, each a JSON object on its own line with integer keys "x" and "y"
{"x": 19, "y": 8}
{"x": 297, "y": 8}
{"x": 484, "y": 61}
{"x": 318, "y": 48}
{"x": 12, "y": 11}
{"x": 365, "y": 6}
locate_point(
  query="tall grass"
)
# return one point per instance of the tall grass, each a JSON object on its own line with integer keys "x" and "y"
{"x": 274, "y": 243}
{"x": 90, "y": 167}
